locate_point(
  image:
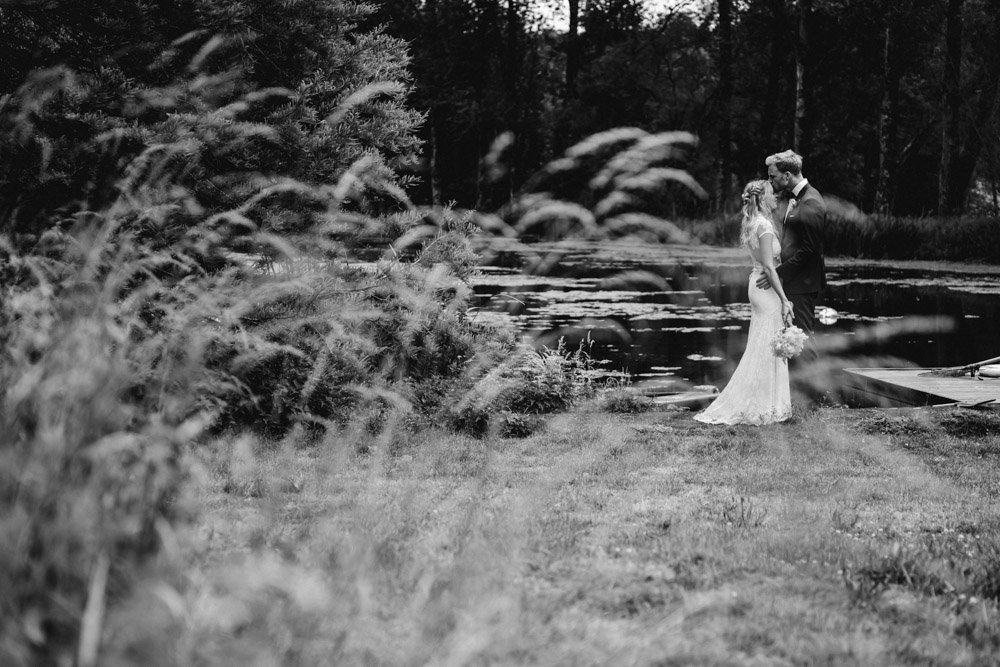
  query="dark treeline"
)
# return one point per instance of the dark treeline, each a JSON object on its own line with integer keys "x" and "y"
{"x": 893, "y": 102}
{"x": 132, "y": 75}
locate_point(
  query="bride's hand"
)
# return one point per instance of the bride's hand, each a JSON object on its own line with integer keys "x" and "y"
{"x": 787, "y": 313}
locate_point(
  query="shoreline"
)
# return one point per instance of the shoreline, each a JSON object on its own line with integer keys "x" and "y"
{"x": 626, "y": 249}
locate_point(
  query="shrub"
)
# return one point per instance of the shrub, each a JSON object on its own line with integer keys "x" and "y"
{"x": 530, "y": 382}
{"x": 99, "y": 410}
{"x": 620, "y": 398}
{"x": 187, "y": 263}
{"x": 517, "y": 424}
{"x": 140, "y": 313}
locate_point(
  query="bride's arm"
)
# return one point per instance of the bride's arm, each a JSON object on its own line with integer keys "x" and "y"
{"x": 762, "y": 253}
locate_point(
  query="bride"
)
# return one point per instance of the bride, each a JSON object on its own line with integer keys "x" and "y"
{"x": 758, "y": 391}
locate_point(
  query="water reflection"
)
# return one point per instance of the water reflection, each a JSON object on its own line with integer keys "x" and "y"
{"x": 693, "y": 331}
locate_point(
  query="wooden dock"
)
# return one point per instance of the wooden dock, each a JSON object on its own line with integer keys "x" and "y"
{"x": 906, "y": 386}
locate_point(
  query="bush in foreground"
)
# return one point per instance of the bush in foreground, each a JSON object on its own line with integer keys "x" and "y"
{"x": 530, "y": 382}
{"x": 139, "y": 320}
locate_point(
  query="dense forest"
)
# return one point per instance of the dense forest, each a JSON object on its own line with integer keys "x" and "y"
{"x": 893, "y": 102}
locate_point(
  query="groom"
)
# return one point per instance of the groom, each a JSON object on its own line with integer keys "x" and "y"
{"x": 802, "y": 270}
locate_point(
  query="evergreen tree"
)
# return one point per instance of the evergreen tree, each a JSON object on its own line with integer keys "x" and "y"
{"x": 141, "y": 70}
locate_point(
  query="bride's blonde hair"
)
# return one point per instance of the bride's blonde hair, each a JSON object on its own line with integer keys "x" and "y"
{"x": 758, "y": 199}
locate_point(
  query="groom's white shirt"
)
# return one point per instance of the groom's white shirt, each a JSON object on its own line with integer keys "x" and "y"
{"x": 797, "y": 190}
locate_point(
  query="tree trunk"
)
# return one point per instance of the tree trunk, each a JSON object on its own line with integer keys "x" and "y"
{"x": 988, "y": 74}
{"x": 435, "y": 167}
{"x": 972, "y": 147}
{"x": 511, "y": 64}
{"x": 888, "y": 161}
{"x": 779, "y": 23}
{"x": 803, "y": 81}
{"x": 512, "y": 83}
{"x": 949, "y": 200}
{"x": 573, "y": 48}
{"x": 725, "y": 101}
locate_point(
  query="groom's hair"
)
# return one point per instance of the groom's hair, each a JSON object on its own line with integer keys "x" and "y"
{"x": 786, "y": 161}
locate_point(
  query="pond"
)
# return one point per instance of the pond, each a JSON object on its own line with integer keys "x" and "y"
{"x": 674, "y": 316}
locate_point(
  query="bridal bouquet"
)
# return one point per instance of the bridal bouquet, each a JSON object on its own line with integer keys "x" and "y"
{"x": 788, "y": 342}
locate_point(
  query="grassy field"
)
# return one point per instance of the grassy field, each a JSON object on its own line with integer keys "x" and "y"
{"x": 841, "y": 538}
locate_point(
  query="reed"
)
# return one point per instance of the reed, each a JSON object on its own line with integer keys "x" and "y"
{"x": 929, "y": 238}
{"x": 849, "y": 233}
{"x": 186, "y": 321}
{"x": 145, "y": 324}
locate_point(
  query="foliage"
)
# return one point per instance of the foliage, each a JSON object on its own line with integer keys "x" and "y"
{"x": 518, "y": 424}
{"x": 612, "y": 185}
{"x": 959, "y": 567}
{"x": 340, "y": 329}
{"x": 316, "y": 114}
{"x": 188, "y": 270}
{"x": 886, "y": 424}
{"x": 107, "y": 383}
{"x": 879, "y": 237}
{"x": 620, "y": 398}
{"x": 971, "y": 423}
{"x": 874, "y": 73}
{"x": 528, "y": 382}
{"x": 166, "y": 276}
{"x": 479, "y": 74}
{"x": 743, "y": 513}
{"x": 451, "y": 244}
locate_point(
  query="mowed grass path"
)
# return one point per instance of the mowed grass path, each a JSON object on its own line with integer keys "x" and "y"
{"x": 842, "y": 538}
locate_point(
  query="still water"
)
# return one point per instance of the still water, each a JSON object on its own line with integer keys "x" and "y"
{"x": 676, "y": 316}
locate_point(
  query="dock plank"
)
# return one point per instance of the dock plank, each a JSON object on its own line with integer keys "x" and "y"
{"x": 907, "y": 385}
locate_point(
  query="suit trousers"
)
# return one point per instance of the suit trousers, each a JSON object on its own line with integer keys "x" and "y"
{"x": 804, "y": 308}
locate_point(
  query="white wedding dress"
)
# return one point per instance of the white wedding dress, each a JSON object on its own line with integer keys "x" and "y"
{"x": 758, "y": 391}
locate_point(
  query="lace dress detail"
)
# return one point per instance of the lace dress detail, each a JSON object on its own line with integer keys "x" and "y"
{"x": 758, "y": 392}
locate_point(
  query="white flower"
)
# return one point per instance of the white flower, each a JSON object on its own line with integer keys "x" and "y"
{"x": 788, "y": 342}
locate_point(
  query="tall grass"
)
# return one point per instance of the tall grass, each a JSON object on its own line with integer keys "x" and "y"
{"x": 850, "y": 233}
{"x": 179, "y": 321}
{"x": 141, "y": 323}
{"x": 961, "y": 239}
{"x": 605, "y": 541}
{"x": 99, "y": 414}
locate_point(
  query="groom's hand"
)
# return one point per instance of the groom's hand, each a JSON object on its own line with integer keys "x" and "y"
{"x": 787, "y": 313}
{"x": 763, "y": 282}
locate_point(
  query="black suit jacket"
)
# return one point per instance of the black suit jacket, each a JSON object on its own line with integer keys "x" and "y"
{"x": 802, "y": 269}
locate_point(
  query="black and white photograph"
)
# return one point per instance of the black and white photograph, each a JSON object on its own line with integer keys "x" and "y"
{"x": 472, "y": 333}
